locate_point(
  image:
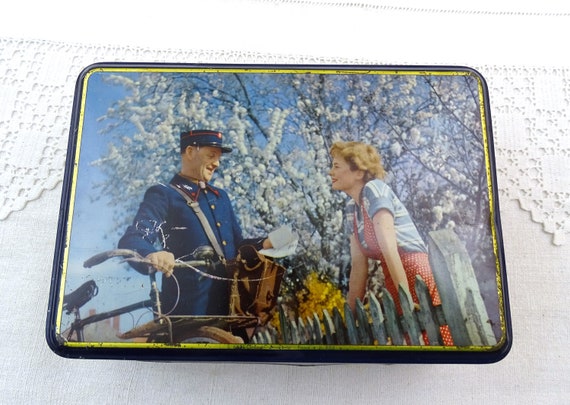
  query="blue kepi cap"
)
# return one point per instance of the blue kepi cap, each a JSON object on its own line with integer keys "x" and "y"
{"x": 202, "y": 137}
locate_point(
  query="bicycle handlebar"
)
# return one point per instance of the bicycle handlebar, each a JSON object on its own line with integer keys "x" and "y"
{"x": 101, "y": 257}
{"x": 132, "y": 256}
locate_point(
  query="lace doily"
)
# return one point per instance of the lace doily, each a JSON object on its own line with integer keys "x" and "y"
{"x": 37, "y": 79}
{"x": 531, "y": 123}
{"x": 546, "y": 7}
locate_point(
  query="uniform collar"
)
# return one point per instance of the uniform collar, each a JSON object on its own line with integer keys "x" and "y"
{"x": 192, "y": 188}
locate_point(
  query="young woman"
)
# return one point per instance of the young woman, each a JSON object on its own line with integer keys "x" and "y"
{"x": 380, "y": 227}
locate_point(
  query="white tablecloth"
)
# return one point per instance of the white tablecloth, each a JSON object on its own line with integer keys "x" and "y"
{"x": 516, "y": 48}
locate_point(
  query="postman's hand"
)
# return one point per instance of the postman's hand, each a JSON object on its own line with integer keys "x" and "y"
{"x": 267, "y": 244}
{"x": 280, "y": 243}
{"x": 162, "y": 261}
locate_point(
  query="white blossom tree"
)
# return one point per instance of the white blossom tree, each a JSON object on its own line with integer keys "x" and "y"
{"x": 427, "y": 128}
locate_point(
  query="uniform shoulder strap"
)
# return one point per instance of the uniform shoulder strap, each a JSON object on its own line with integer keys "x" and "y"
{"x": 203, "y": 220}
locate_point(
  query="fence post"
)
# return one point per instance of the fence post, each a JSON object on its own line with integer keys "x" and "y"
{"x": 317, "y": 329}
{"x": 378, "y": 329}
{"x": 330, "y": 332}
{"x": 285, "y": 330}
{"x": 304, "y": 332}
{"x": 392, "y": 324}
{"x": 461, "y": 299}
{"x": 364, "y": 331}
{"x": 341, "y": 336}
{"x": 426, "y": 314}
{"x": 351, "y": 329}
{"x": 409, "y": 321}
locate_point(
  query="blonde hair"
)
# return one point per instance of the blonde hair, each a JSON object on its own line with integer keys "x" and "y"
{"x": 360, "y": 156}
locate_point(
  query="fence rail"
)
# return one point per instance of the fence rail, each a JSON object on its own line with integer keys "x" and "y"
{"x": 378, "y": 323}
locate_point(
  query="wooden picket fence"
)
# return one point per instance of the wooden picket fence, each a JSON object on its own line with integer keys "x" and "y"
{"x": 378, "y": 323}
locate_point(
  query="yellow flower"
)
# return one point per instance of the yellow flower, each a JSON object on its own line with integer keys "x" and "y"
{"x": 319, "y": 294}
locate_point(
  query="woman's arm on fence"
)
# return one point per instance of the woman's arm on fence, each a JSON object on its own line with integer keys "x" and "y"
{"x": 358, "y": 274}
{"x": 386, "y": 236}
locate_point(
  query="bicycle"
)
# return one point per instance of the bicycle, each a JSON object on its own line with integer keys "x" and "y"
{"x": 164, "y": 328}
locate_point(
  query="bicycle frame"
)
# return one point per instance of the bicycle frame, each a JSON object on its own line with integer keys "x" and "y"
{"x": 74, "y": 301}
{"x": 79, "y": 324}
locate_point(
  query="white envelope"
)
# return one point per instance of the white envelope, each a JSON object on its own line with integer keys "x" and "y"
{"x": 284, "y": 242}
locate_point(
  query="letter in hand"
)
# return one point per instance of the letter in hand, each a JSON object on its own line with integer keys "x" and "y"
{"x": 280, "y": 243}
{"x": 281, "y": 237}
{"x": 162, "y": 261}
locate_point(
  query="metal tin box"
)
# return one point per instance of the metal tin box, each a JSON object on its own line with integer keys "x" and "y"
{"x": 355, "y": 209}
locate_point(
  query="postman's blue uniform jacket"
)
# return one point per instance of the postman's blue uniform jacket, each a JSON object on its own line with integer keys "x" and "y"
{"x": 164, "y": 221}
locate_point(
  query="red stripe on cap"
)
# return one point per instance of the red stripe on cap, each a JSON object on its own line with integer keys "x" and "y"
{"x": 198, "y": 133}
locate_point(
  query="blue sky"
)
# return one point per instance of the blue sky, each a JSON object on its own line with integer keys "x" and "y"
{"x": 118, "y": 284}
